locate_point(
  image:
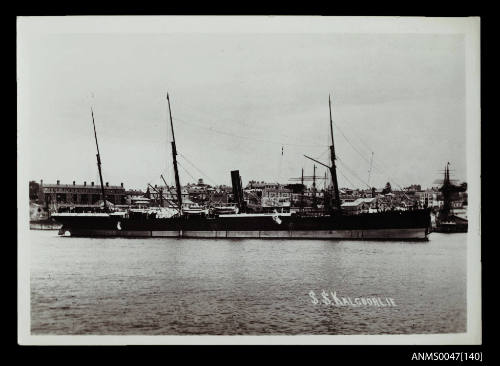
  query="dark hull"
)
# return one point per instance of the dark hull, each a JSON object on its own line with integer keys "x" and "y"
{"x": 412, "y": 225}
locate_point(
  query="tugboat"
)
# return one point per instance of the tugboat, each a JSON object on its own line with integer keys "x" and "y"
{"x": 333, "y": 223}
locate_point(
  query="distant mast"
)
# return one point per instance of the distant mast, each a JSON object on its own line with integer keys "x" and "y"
{"x": 314, "y": 186}
{"x": 174, "y": 155}
{"x": 446, "y": 190}
{"x": 333, "y": 170}
{"x": 99, "y": 163}
{"x": 302, "y": 191}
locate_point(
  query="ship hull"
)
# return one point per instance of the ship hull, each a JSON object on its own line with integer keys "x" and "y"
{"x": 379, "y": 234}
{"x": 410, "y": 225}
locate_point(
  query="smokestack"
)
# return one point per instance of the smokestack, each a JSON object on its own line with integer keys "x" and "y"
{"x": 107, "y": 184}
{"x": 121, "y": 184}
{"x": 85, "y": 184}
{"x": 237, "y": 189}
{"x": 41, "y": 182}
{"x": 92, "y": 184}
{"x": 58, "y": 182}
{"x": 73, "y": 182}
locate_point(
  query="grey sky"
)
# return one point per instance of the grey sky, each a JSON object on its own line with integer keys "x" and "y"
{"x": 237, "y": 99}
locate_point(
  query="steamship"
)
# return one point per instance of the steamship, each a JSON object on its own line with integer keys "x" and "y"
{"x": 332, "y": 223}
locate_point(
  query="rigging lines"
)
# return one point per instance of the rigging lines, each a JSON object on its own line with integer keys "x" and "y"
{"x": 245, "y": 137}
{"x": 198, "y": 169}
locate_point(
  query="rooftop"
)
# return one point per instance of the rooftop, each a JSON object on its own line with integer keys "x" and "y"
{"x": 79, "y": 186}
{"x": 358, "y": 202}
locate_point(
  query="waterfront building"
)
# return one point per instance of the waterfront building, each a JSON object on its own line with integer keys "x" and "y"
{"x": 276, "y": 197}
{"x": 360, "y": 205}
{"x": 199, "y": 192}
{"x": 170, "y": 195}
{"x": 414, "y": 188}
{"x": 349, "y": 195}
{"x": 55, "y": 196}
{"x": 262, "y": 185}
{"x": 429, "y": 198}
{"x": 190, "y": 195}
{"x": 34, "y": 190}
{"x": 352, "y": 207}
{"x": 137, "y": 198}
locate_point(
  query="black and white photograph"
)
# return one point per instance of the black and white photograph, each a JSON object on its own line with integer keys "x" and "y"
{"x": 248, "y": 180}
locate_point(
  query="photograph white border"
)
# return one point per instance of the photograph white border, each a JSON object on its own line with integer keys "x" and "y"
{"x": 469, "y": 27}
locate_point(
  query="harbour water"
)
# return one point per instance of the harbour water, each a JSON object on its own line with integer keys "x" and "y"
{"x": 162, "y": 286}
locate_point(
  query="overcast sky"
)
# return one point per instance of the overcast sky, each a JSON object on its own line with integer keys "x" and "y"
{"x": 239, "y": 100}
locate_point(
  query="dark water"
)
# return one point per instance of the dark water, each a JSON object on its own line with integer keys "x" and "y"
{"x": 189, "y": 286}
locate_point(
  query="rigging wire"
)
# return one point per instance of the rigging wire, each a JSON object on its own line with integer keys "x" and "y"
{"x": 323, "y": 153}
{"x": 350, "y": 143}
{"x": 352, "y": 184}
{"x": 198, "y": 169}
{"x": 376, "y": 166}
{"x": 163, "y": 194}
{"x": 186, "y": 171}
{"x": 352, "y": 172}
{"x": 244, "y": 137}
{"x": 168, "y": 188}
{"x": 276, "y": 142}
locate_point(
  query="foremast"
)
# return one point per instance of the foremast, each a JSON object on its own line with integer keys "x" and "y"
{"x": 333, "y": 169}
{"x": 98, "y": 155}
{"x": 174, "y": 156}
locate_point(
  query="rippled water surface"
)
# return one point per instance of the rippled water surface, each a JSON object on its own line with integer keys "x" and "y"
{"x": 194, "y": 286}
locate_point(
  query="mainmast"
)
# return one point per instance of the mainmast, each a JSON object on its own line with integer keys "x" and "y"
{"x": 333, "y": 170}
{"x": 99, "y": 162}
{"x": 336, "y": 197}
{"x": 174, "y": 155}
